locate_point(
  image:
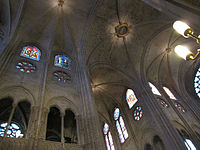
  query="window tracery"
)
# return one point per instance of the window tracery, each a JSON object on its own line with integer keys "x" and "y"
{"x": 138, "y": 113}
{"x": 162, "y": 102}
{"x": 14, "y": 130}
{"x": 131, "y": 98}
{"x": 108, "y": 137}
{"x": 121, "y": 128}
{"x": 197, "y": 83}
{"x": 26, "y": 67}
{"x": 179, "y": 107}
{"x": 62, "y": 76}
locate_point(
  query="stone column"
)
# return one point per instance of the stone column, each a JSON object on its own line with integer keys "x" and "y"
{"x": 159, "y": 120}
{"x": 62, "y": 115}
{"x": 32, "y": 122}
{"x": 10, "y": 118}
{"x": 43, "y": 124}
{"x": 90, "y": 123}
{"x": 79, "y": 130}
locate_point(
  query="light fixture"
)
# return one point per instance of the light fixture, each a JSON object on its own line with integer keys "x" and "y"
{"x": 183, "y": 29}
{"x": 60, "y": 3}
{"x": 185, "y": 53}
{"x": 122, "y": 30}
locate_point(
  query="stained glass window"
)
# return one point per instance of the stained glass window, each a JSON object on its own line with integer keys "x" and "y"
{"x": 154, "y": 89}
{"x": 13, "y": 130}
{"x": 138, "y": 113}
{"x": 31, "y": 52}
{"x": 189, "y": 144}
{"x": 62, "y": 76}
{"x": 108, "y": 138}
{"x": 169, "y": 93}
{"x": 63, "y": 62}
{"x": 123, "y": 134}
{"x": 26, "y": 67}
{"x": 179, "y": 107}
{"x": 197, "y": 83}
{"x": 162, "y": 102}
{"x": 131, "y": 98}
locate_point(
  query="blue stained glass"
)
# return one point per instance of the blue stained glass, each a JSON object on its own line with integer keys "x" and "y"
{"x": 62, "y": 61}
{"x": 31, "y": 52}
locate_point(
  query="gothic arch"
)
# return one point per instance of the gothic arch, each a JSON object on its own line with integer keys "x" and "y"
{"x": 63, "y": 104}
{"x": 18, "y": 93}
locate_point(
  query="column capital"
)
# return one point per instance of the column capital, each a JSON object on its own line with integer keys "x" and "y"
{"x": 62, "y": 114}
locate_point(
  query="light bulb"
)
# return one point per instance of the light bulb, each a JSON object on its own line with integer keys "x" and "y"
{"x": 182, "y": 51}
{"x": 181, "y": 27}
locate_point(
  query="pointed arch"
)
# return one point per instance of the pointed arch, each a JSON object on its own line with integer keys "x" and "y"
{"x": 169, "y": 93}
{"x": 108, "y": 137}
{"x": 131, "y": 98}
{"x": 154, "y": 89}
{"x": 120, "y": 125}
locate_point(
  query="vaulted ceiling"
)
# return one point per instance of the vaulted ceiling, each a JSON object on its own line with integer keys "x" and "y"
{"x": 84, "y": 30}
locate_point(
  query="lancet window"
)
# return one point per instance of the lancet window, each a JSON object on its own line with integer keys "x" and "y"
{"x": 121, "y": 128}
{"x": 154, "y": 89}
{"x": 131, "y": 98}
{"x": 108, "y": 137}
{"x": 169, "y": 93}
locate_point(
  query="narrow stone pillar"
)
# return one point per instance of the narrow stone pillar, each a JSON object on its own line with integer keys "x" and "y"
{"x": 79, "y": 130}
{"x": 32, "y": 122}
{"x": 62, "y": 115}
{"x": 10, "y": 118}
{"x": 43, "y": 124}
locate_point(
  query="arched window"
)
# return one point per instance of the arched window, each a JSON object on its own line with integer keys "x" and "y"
{"x": 70, "y": 130}
{"x": 62, "y": 61}
{"x": 14, "y": 130}
{"x": 54, "y": 125}
{"x": 197, "y": 83}
{"x": 31, "y": 52}
{"x": 158, "y": 144}
{"x": 169, "y": 93}
{"x": 148, "y": 147}
{"x": 123, "y": 134}
{"x": 130, "y": 98}
{"x": 179, "y": 107}
{"x": 14, "y": 125}
{"x": 189, "y": 144}
{"x": 154, "y": 89}
{"x": 108, "y": 137}
{"x": 163, "y": 102}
